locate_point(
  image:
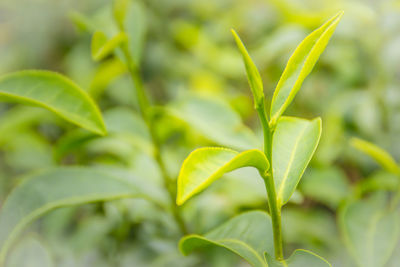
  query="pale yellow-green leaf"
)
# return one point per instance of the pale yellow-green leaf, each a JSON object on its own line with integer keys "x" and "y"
{"x": 378, "y": 154}
{"x": 205, "y": 165}
{"x": 253, "y": 76}
{"x": 54, "y": 92}
{"x": 102, "y": 46}
{"x": 300, "y": 65}
{"x": 294, "y": 143}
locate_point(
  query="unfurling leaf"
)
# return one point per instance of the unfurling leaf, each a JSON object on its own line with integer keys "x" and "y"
{"x": 205, "y": 165}
{"x": 249, "y": 235}
{"x": 102, "y": 47}
{"x": 300, "y": 65}
{"x": 299, "y": 258}
{"x": 294, "y": 143}
{"x": 55, "y": 93}
{"x": 378, "y": 154}
{"x": 53, "y": 189}
{"x": 253, "y": 75}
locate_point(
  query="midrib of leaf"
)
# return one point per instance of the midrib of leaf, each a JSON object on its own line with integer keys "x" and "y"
{"x": 244, "y": 245}
{"x": 283, "y": 182}
{"x": 303, "y": 70}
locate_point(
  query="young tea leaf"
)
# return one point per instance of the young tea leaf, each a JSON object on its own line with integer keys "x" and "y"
{"x": 55, "y": 93}
{"x": 53, "y": 189}
{"x": 378, "y": 154}
{"x": 294, "y": 143}
{"x": 300, "y": 65}
{"x": 205, "y": 165}
{"x": 102, "y": 47}
{"x": 249, "y": 235}
{"x": 299, "y": 258}
{"x": 370, "y": 230}
{"x": 253, "y": 75}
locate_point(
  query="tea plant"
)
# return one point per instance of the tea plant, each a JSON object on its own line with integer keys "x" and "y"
{"x": 289, "y": 143}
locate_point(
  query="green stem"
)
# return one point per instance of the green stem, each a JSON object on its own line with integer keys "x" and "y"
{"x": 274, "y": 208}
{"x": 144, "y": 106}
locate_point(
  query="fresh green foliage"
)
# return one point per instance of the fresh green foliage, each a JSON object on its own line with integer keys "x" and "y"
{"x": 205, "y": 165}
{"x": 299, "y": 258}
{"x": 294, "y": 143}
{"x": 53, "y": 189}
{"x": 102, "y": 46}
{"x": 55, "y": 93}
{"x": 289, "y": 143}
{"x": 378, "y": 154}
{"x": 300, "y": 65}
{"x": 370, "y": 230}
{"x": 253, "y": 75}
{"x": 241, "y": 235}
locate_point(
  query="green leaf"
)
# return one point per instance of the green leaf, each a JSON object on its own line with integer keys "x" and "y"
{"x": 294, "y": 143}
{"x": 53, "y": 189}
{"x": 205, "y": 165}
{"x": 215, "y": 120}
{"x": 300, "y": 65}
{"x": 119, "y": 10}
{"x": 55, "y": 93}
{"x": 328, "y": 186}
{"x": 249, "y": 235}
{"x": 253, "y": 75}
{"x": 378, "y": 154}
{"x": 370, "y": 230}
{"x": 30, "y": 253}
{"x": 102, "y": 47}
{"x": 299, "y": 258}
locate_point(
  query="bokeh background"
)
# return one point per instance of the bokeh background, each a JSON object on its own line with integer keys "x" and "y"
{"x": 196, "y": 79}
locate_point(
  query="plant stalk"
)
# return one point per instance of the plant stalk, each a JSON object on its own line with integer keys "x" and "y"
{"x": 274, "y": 208}
{"x": 144, "y": 107}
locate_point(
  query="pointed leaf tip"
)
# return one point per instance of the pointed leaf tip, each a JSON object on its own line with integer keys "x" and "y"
{"x": 253, "y": 76}
{"x": 300, "y": 65}
{"x": 205, "y": 165}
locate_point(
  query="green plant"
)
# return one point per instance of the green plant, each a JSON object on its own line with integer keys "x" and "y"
{"x": 370, "y": 211}
{"x": 289, "y": 144}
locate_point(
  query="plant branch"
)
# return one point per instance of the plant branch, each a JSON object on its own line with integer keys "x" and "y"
{"x": 144, "y": 106}
{"x": 274, "y": 208}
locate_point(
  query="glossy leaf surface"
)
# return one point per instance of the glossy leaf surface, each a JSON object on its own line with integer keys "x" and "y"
{"x": 249, "y": 235}
{"x": 370, "y": 230}
{"x": 253, "y": 76}
{"x": 299, "y": 258}
{"x": 205, "y": 165}
{"x": 300, "y": 65}
{"x": 102, "y": 46}
{"x": 52, "y": 189}
{"x": 294, "y": 143}
{"x": 55, "y": 93}
{"x": 378, "y": 154}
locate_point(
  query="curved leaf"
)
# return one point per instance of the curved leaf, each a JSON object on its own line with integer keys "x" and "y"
{"x": 102, "y": 47}
{"x": 53, "y": 189}
{"x": 294, "y": 143}
{"x": 378, "y": 154}
{"x": 370, "y": 230}
{"x": 299, "y": 258}
{"x": 249, "y": 235}
{"x": 253, "y": 75}
{"x": 55, "y": 93}
{"x": 300, "y": 65}
{"x": 205, "y": 165}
